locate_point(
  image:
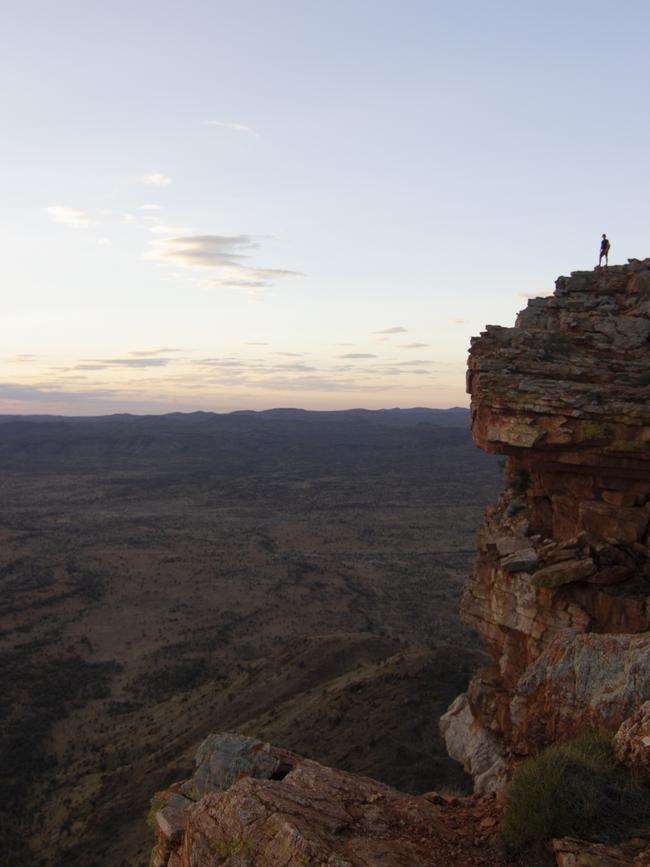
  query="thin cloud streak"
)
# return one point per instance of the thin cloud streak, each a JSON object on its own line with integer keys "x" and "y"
{"x": 47, "y": 392}
{"x": 156, "y": 179}
{"x": 358, "y": 355}
{"x": 77, "y": 218}
{"x": 225, "y": 255}
{"x": 129, "y": 362}
{"x": 146, "y": 353}
{"x": 237, "y": 127}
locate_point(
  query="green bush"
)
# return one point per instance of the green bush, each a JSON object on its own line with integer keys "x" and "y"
{"x": 575, "y": 789}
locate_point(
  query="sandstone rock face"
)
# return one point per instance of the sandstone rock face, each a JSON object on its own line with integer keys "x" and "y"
{"x": 478, "y": 748}
{"x": 578, "y": 853}
{"x": 252, "y": 804}
{"x": 561, "y": 589}
{"x": 632, "y": 741}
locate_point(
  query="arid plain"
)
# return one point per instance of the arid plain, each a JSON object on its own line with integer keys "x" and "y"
{"x": 287, "y": 574}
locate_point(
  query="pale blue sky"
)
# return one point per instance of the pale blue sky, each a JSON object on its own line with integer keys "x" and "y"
{"x": 416, "y": 165}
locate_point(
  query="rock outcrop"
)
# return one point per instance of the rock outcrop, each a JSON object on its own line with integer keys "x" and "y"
{"x": 560, "y": 595}
{"x": 632, "y": 741}
{"x": 578, "y": 853}
{"x": 560, "y": 592}
{"x": 252, "y": 804}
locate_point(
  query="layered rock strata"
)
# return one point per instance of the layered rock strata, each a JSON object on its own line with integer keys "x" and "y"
{"x": 252, "y": 804}
{"x": 249, "y": 804}
{"x": 560, "y": 591}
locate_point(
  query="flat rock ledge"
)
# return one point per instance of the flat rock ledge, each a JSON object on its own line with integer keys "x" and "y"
{"x": 249, "y": 803}
{"x": 276, "y": 809}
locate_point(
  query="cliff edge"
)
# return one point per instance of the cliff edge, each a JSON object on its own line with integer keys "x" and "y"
{"x": 559, "y": 595}
{"x": 560, "y": 591}
{"x": 249, "y": 804}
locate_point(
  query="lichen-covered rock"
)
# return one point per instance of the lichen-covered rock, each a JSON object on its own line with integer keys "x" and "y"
{"x": 560, "y": 592}
{"x": 589, "y": 680}
{"x": 480, "y": 751}
{"x": 305, "y": 814}
{"x": 632, "y": 740}
{"x": 222, "y": 759}
{"x": 578, "y": 853}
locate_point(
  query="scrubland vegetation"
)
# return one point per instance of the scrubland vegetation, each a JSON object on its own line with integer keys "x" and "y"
{"x": 293, "y": 576}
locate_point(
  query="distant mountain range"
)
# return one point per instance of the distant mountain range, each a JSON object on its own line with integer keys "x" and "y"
{"x": 455, "y": 416}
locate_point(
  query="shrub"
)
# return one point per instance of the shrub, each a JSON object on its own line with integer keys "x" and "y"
{"x": 575, "y": 789}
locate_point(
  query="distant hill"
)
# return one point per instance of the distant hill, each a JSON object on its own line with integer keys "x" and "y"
{"x": 455, "y": 416}
{"x": 238, "y": 439}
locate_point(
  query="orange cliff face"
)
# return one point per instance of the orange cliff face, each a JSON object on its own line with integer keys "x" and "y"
{"x": 560, "y": 592}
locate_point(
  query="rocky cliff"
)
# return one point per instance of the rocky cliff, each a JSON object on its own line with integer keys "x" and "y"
{"x": 561, "y": 588}
{"x": 559, "y": 595}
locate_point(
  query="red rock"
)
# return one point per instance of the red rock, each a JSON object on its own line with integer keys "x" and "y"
{"x": 632, "y": 740}
{"x": 315, "y": 816}
{"x": 579, "y": 853}
{"x": 560, "y": 592}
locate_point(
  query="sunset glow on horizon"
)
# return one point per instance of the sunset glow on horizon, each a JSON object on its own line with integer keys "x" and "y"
{"x": 291, "y": 204}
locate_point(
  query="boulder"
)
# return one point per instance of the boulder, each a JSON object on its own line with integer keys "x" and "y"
{"x": 632, "y": 740}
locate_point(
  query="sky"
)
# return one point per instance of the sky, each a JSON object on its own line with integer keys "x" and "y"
{"x": 220, "y": 206}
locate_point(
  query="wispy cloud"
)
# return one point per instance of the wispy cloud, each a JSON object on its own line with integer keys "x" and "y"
{"x": 458, "y": 321}
{"x": 45, "y": 392}
{"x": 237, "y": 127}
{"x": 358, "y": 355}
{"x": 296, "y": 367}
{"x": 23, "y": 357}
{"x": 225, "y": 255}
{"x": 150, "y": 207}
{"x": 219, "y": 362}
{"x": 126, "y": 362}
{"x": 315, "y": 383}
{"x": 412, "y": 345}
{"x": 394, "y": 329}
{"x": 156, "y": 179}
{"x": 85, "y": 366}
{"x": 148, "y": 353}
{"x": 75, "y": 217}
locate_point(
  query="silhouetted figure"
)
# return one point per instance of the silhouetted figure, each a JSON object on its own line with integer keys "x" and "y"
{"x": 604, "y": 250}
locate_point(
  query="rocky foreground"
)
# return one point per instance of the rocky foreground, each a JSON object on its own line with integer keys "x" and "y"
{"x": 252, "y": 804}
{"x": 559, "y": 594}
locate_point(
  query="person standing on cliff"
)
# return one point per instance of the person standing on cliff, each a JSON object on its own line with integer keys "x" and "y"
{"x": 604, "y": 250}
